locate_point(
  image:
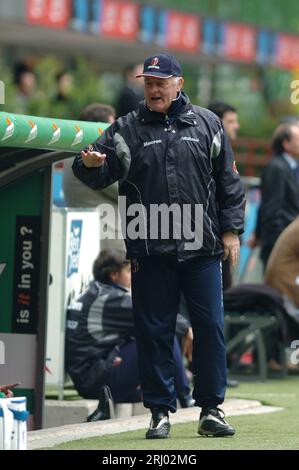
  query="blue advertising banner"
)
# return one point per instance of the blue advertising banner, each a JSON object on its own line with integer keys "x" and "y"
{"x": 148, "y": 24}
{"x": 86, "y": 15}
{"x": 74, "y": 247}
{"x": 80, "y": 15}
{"x": 162, "y": 27}
{"x": 95, "y": 15}
{"x": 209, "y": 36}
{"x": 266, "y": 47}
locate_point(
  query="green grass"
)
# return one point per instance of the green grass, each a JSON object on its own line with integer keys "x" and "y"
{"x": 278, "y": 430}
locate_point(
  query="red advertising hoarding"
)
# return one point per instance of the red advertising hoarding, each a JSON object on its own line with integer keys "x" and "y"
{"x": 183, "y": 32}
{"x": 36, "y": 11}
{"x": 120, "y": 19}
{"x": 287, "y": 51}
{"x": 239, "y": 42}
{"x": 50, "y": 13}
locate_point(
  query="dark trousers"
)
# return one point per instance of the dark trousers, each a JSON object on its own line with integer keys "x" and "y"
{"x": 157, "y": 282}
{"x": 124, "y": 379}
{"x": 226, "y": 274}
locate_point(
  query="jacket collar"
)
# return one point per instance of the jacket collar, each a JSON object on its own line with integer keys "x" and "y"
{"x": 112, "y": 285}
{"x": 291, "y": 160}
{"x": 186, "y": 113}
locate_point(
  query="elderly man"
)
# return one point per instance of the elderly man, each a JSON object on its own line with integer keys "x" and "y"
{"x": 172, "y": 154}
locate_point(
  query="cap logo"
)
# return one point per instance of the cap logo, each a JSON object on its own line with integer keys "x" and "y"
{"x": 161, "y": 66}
{"x": 154, "y": 63}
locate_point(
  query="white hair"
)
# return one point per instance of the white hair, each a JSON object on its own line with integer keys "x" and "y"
{"x": 176, "y": 79}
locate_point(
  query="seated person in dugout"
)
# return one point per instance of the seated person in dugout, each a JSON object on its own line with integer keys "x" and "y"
{"x": 282, "y": 270}
{"x": 100, "y": 345}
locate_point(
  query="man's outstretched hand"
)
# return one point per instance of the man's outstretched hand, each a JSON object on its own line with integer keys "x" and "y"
{"x": 92, "y": 159}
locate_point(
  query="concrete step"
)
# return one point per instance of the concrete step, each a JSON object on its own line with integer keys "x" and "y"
{"x": 63, "y": 412}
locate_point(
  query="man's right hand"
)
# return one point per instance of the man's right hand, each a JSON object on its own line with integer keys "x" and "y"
{"x": 93, "y": 159}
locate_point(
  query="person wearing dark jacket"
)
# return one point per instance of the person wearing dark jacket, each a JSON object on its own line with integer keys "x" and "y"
{"x": 170, "y": 154}
{"x": 131, "y": 93}
{"x": 280, "y": 189}
{"x": 99, "y": 332}
{"x": 229, "y": 117}
{"x": 100, "y": 344}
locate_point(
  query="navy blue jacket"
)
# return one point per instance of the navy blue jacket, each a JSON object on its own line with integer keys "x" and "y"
{"x": 162, "y": 160}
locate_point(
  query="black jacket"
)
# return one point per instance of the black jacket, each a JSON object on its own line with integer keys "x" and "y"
{"x": 181, "y": 161}
{"x": 98, "y": 323}
{"x": 280, "y": 203}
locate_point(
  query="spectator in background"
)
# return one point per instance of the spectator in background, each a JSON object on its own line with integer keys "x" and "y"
{"x": 64, "y": 82}
{"x": 77, "y": 194}
{"x": 282, "y": 270}
{"x": 282, "y": 273}
{"x": 25, "y": 81}
{"x": 132, "y": 92}
{"x": 280, "y": 189}
{"x": 229, "y": 117}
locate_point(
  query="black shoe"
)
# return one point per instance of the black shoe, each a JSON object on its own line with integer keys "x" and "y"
{"x": 186, "y": 401}
{"x": 105, "y": 408}
{"x": 232, "y": 383}
{"x": 159, "y": 425}
{"x": 212, "y": 423}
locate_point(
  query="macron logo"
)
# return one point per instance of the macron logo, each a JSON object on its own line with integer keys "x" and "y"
{"x": 191, "y": 139}
{"x": 152, "y": 142}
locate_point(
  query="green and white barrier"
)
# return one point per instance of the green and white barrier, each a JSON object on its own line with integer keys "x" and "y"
{"x": 33, "y": 132}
